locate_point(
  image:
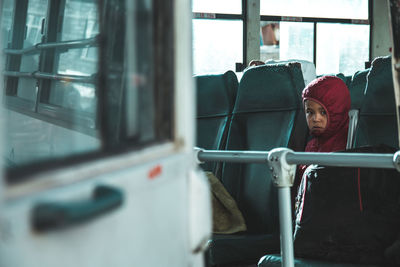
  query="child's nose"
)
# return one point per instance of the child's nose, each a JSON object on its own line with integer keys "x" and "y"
{"x": 317, "y": 117}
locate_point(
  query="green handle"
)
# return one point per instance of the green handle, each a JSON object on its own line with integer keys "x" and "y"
{"x": 55, "y": 215}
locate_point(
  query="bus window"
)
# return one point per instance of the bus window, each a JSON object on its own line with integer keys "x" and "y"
{"x": 317, "y": 31}
{"x": 217, "y": 45}
{"x": 64, "y": 102}
{"x": 220, "y": 6}
{"x": 49, "y": 76}
{"x": 79, "y": 23}
{"x": 288, "y": 30}
{"x": 293, "y": 40}
{"x": 346, "y": 52}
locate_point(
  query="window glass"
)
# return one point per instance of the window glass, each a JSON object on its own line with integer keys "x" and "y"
{"x": 80, "y": 23}
{"x": 6, "y": 21}
{"x": 27, "y": 87}
{"x": 286, "y": 40}
{"x": 36, "y": 13}
{"x": 77, "y": 96}
{"x": 29, "y": 63}
{"x": 341, "y": 48}
{"x": 217, "y": 45}
{"x": 80, "y": 20}
{"x": 60, "y": 78}
{"x": 220, "y": 6}
{"x": 63, "y": 77}
{"x": 351, "y": 9}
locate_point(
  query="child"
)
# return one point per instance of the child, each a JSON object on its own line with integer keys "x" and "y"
{"x": 326, "y": 102}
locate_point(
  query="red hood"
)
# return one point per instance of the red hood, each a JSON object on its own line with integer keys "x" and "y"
{"x": 331, "y": 93}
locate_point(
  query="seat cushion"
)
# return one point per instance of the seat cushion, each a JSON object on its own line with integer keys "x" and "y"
{"x": 275, "y": 260}
{"x": 241, "y": 248}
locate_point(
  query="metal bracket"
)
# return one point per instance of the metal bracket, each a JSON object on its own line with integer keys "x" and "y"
{"x": 282, "y": 172}
{"x": 197, "y": 150}
{"x": 396, "y": 160}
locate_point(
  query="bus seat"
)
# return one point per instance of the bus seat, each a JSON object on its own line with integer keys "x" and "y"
{"x": 356, "y": 84}
{"x": 377, "y": 122}
{"x": 275, "y": 260}
{"x": 307, "y": 68}
{"x": 346, "y": 79}
{"x": 377, "y": 112}
{"x": 216, "y": 95}
{"x": 357, "y": 87}
{"x": 266, "y": 113}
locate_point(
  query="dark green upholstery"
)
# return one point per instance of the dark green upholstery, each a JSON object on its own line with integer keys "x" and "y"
{"x": 275, "y": 260}
{"x": 266, "y": 114}
{"x": 377, "y": 121}
{"x": 216, "y": 96}
{"x": 346, "y": 79}
{"x": 357, "y": 87}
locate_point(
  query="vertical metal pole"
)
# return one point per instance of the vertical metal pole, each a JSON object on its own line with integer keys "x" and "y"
{"x": 285, "y": 219}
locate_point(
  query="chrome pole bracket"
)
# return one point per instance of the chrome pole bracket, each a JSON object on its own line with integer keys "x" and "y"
{"x": 197, "y": 150}
{"x": 282, "y": 172}
{"x": 396, "y": 160}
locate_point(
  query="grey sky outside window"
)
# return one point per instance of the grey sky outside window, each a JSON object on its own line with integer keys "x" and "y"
{"x": 294, "y": 40}
{"x": 346, "y": 53}
{"x": 348, "y": 9}
{"x": 220, "y": 6}
{"x": 217, "y": 45}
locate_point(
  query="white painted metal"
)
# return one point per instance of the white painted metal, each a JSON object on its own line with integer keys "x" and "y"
{"x": 165, "y": 218}
{"x": 253, "y": 31}
{"x": 285, "y": 221}
{"x": 353, "y": 120}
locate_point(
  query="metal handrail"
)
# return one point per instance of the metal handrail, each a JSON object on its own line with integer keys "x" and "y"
{"x": 329, "y": 159}
{"x": 41, "y": 46}
{"x": 50, "y": 76}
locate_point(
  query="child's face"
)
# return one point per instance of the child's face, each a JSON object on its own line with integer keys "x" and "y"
{"x": 316, "y": 116}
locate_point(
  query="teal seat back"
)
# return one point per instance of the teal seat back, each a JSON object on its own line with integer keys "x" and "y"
{"x": 265, "y": 115}
{"x": 377, "y": 121}
{"x": 357, "y": 87}
{"x": 345, "y": 78}
{"x": 216, "y": 96}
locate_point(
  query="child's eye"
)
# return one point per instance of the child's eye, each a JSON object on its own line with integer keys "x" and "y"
{"x": 323, "y": 112}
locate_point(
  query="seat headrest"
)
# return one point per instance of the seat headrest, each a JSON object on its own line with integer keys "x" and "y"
{"x": 216, "y": 94}
{"x": 357, "y": 87}
{"x": 270, "y": 88}
{"x": 307, "y": 68}
{"x": 379, "y": 92}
